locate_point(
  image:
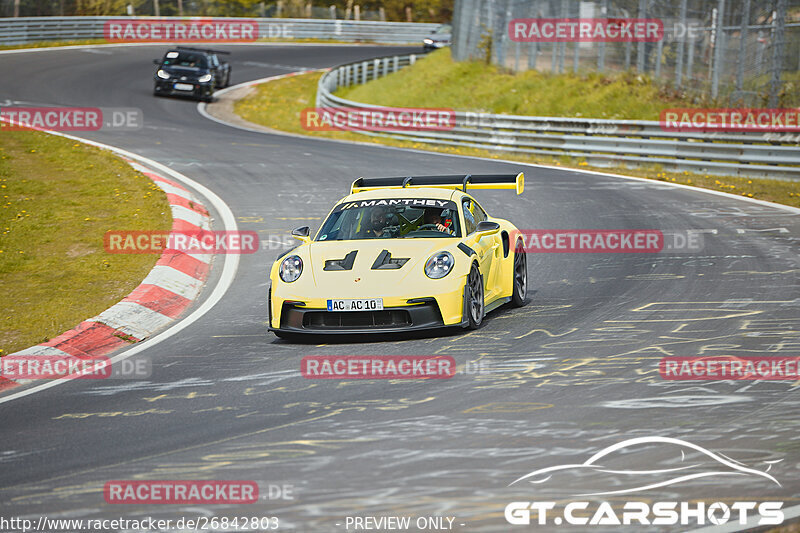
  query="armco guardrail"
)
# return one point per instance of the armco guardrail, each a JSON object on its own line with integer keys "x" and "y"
{"x": 36, "y": 29}
{"x": 598, "y": 142}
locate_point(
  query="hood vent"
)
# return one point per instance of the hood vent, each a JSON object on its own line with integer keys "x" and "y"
{"x": 385, "y": 261}
{"x": 341, "y": 264}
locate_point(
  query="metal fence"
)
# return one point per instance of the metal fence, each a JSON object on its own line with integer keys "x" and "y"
{"x": 36, "y": 29}
{"x": 741, "y": 52}
{"x": 598, "y": 142}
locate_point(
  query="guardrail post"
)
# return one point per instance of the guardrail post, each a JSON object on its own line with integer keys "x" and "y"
{"x": 640, "y": 59}
{"x": 412, "y": 59}
{"x": 533, "y": 47}
{"x": 575, "y": 46}
{"x": 742, "y": 46}
{"x": 376, "y": 63}
{"x": 778, "y": 37}
{"x": 659, "y": 51}
{"x": 395, "y": 64}
{"x": 385, "y": 66}
{"x": 718, "y": 57}
{"x": 601, "y": 46}
{"x": 364, "y": 72}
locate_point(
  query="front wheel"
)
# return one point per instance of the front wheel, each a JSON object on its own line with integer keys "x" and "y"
{"x": 475, "y": 304}
{"x": 520, "y": 290}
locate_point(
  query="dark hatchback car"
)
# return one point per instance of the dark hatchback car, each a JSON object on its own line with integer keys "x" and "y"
{"x": 194, "y": 72}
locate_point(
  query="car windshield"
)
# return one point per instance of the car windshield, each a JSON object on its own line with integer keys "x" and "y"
{"x": 392, "y": 218}
{"x": 185, "y": 60}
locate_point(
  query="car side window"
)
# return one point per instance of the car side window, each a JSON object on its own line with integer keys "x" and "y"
{"x": 469, "y": 218}
{"x": 214, "y": 61}
{"x": 478, "y": 212}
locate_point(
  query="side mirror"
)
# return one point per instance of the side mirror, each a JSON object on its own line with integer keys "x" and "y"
{"x": 486, "y": 228}
{"x": 302, "y": 233}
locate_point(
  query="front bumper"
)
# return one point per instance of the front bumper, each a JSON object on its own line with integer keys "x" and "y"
{"x": 435, "y": 45}
{"x": 199, "y": 90}
{"x": 313, "y": 317}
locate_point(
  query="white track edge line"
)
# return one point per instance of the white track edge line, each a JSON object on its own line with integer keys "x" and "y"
{"x": 170, "y": 43}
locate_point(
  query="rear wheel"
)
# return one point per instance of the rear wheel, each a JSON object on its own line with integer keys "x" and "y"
{"x": 475, "y": 304}
{"x": 520, "y": 290}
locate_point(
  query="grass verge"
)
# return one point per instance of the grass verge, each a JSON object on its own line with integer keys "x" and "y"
{"x": 58, "y": 199}
{"x": 476, "y": 86}
{"x": 50, "y": 44}
{"x": 278, "y": 105}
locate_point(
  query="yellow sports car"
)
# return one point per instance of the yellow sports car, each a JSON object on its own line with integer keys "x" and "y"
{"x": 401, "y": 254}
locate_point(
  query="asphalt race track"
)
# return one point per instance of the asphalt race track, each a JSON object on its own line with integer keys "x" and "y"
{"x": 549, "y": 384}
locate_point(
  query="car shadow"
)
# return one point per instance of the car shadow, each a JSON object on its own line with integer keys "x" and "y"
{"x": 367, "y": 338}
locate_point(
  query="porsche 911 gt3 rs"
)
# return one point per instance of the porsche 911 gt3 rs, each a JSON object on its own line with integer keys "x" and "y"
{"x": 401, "y": 254}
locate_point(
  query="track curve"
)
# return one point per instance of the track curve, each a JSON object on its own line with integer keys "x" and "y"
{"x": 574, "y": 371}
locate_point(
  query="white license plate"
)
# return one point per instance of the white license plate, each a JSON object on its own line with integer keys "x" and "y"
{"x": 364, "y": 304}
{"x": 184, "y": 87}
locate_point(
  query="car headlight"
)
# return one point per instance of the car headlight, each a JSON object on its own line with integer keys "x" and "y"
{"x": 164, "y": 75}
{"x": 204, "y": 78}
{"x": 291, "y": 268}
{"x": 439, "y": 265}
{"x": 427, "y": 41}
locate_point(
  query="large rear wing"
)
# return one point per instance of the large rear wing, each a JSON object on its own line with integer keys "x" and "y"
{"x": 208, "y": 50}
{"x": 455, "y": 181}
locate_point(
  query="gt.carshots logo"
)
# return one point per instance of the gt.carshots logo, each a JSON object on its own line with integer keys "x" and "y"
{"x": 642, "y": 513}
{"x": 689, "y": 462}
{"x": 180, "y": 30}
